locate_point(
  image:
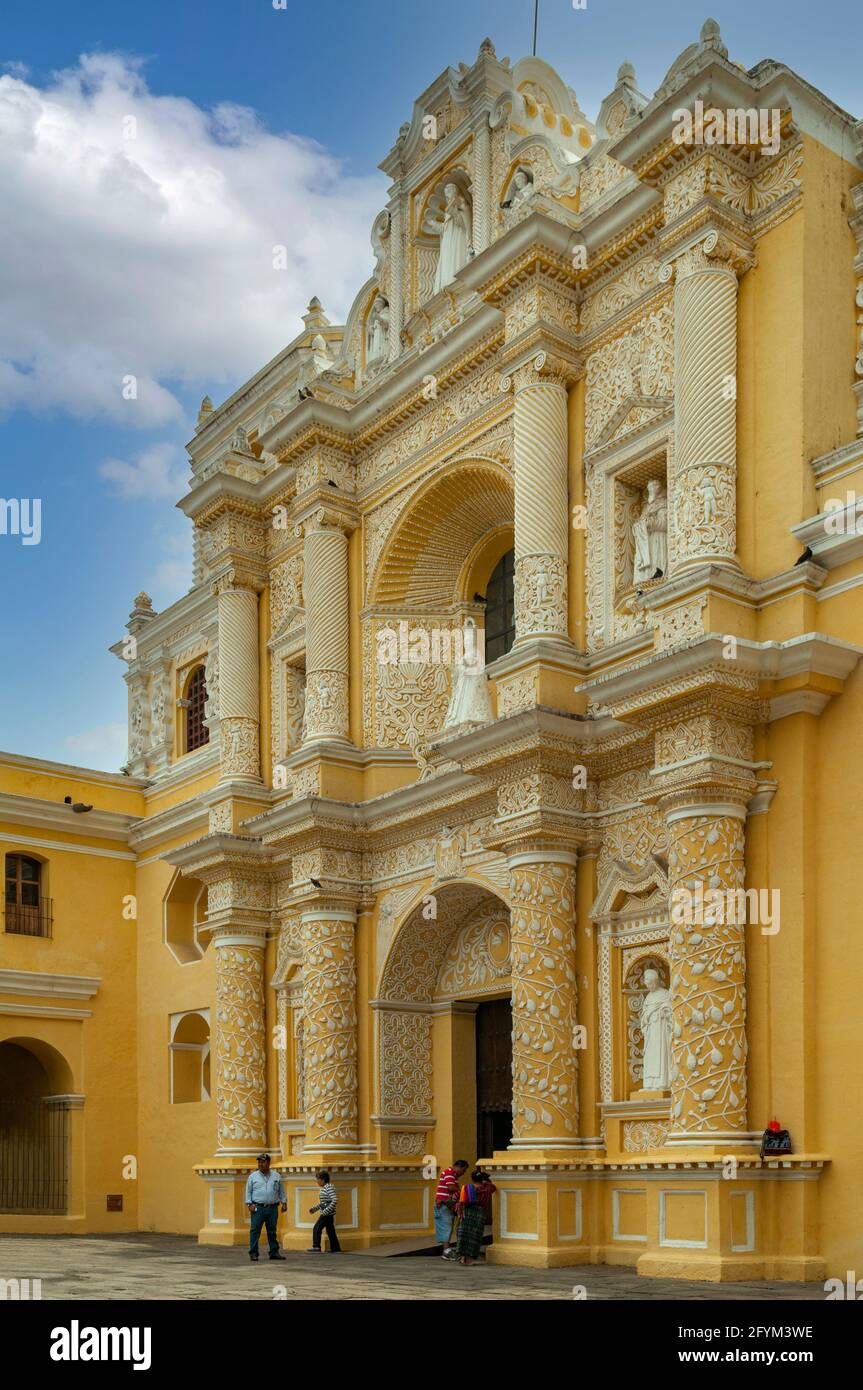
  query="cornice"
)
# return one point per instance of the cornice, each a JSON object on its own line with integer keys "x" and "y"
{"x": 33, "y": 811}
{"x": 842, "y": 543}
{"x": 46, "y": 984}
{"x": 811, "y": 653}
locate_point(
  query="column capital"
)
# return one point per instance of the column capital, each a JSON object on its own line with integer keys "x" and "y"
{"x": 326, "y": 519}
{"x": 710, "y": 250}
{"x": 540, "y": 366}
{"x": 239, "y": 575}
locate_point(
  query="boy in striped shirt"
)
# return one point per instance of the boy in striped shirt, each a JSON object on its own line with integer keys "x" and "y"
{"x": 327, "y": 1219}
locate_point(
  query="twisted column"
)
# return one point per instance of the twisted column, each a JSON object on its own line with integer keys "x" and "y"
{"x": 704, "y": 510}
{"x": 240, "y": 1043}
{"x": 239, "y": 705}
{"x": 327, "y": 627}
{"x": 544, "y": 993}
{"x": 541, "y": 501}
{"x": 708, "y": 974}
{"x": 330, "y": 1029}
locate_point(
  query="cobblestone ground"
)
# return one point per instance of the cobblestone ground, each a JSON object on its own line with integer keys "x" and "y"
{"x": 148, "y": 1266}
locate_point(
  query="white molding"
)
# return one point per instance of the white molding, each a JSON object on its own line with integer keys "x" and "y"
{"x": 214, "y": 1220}
{"x": 33, "y": 840}
{"x": 505, "y": 1232}
{"x": 39, "y": 983}
{"x": 408, "y": 1225}
{"x": 43, "y": 814}
{"x": 43, "y": 1011}
{"x": 616, "y": 1233}
{"x": 682, "y": 1244}
{"x": 749, "y": 1198}
{"x": 579, "y": 1225}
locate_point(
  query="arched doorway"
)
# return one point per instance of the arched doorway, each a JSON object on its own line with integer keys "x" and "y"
{"x": 445, "y": 1026}
{"x": 35, "y": 1082}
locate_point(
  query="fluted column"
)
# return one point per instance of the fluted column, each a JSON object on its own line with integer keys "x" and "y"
{"x": 330, "y": 1029}
{"x": 708, "y": 972}
{"x": 240, "y": 1042}
{"x": 703, "y": 488}
{"x": 327, "y": 631}
{"x": 239, "y": 701}
{"x": 544, "y": 996}
{"x": 541, "y": 502}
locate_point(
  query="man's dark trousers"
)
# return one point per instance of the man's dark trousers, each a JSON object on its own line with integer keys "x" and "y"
{"x": 264, "y": 1216}
{"x": 328, "y": 1224}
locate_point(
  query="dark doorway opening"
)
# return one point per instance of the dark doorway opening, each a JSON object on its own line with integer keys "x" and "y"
{"x": 493, "y": 1076}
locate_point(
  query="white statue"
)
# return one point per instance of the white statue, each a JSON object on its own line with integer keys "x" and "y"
{"x": 470, "y": 702}
{"x": 655, "y": 1024}
{"x": 378, "y": 331}
{"x": 708, "y": 492}
{"x": 321, "y": 355}
{"x": 650, "y": 532}
{"x": 523, "y": 188}
{"x": 455, "y": 237}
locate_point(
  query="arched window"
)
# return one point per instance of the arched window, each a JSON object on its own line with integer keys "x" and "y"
{"x": 197, "y": 733}
{"x": 500, "y": 608}
{"x": 27, "y": 910}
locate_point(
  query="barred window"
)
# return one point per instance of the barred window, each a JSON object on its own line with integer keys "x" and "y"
{"x": 500, "y": 608}
{"x": 197, "y": 733}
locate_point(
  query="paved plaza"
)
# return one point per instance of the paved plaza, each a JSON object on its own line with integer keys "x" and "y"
{"x": 146, "y": 1266}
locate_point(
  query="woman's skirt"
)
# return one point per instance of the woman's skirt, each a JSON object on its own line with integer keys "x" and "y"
{"x": 470, "y": 1230}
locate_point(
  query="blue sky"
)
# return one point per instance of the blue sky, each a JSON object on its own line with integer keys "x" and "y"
{"x": 151, "y": 156}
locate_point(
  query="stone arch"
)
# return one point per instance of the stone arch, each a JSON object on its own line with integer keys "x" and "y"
{"x": 410, "y": 983}
{"x": 36, "y": 1092}
{"x": 423, "y": 557}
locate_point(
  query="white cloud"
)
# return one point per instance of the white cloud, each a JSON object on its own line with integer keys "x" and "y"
{"x": 104, "y": 746}
{"x": 160, "y": 471}
{"x": 138, "y": 240}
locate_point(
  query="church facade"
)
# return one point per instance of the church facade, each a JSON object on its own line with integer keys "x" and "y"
{"x": 586, "y": 912}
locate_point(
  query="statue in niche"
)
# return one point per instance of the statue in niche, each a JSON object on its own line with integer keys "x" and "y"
{"x": 470, "y": 702}
{"x": 378, "y": 331}
{"x": 454, "y": 250}
{"x": 523, "y": 189}
{"x": 655, "y": 1024}
{"x": 650, "y": 532}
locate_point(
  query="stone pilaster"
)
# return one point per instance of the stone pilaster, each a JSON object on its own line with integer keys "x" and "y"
{"x": 703, "y": 488}
{"x": 325, "y": 566}
{"x": 541, "y": 500}
{"x": 544, "y": 996}
{"x": 240, "y": 1042}
{"x": 239, "y": 704}
{"x": 329, "y": 1029}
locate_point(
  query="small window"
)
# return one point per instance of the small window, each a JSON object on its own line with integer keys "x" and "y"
{"x": 500, "y": 608}
{"x": 190, "y": 1057}
{"x": 197, "y": 733}
{"x": 28, "y": 912}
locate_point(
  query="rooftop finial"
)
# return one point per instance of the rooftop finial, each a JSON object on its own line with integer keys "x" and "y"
{"x": 626, "y": 73}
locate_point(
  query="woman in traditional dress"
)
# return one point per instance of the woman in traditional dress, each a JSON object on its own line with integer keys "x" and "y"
{"x": 473, "y": 1205}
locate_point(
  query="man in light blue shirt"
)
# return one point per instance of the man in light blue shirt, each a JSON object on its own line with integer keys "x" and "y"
{"x": 265, "y": 1193}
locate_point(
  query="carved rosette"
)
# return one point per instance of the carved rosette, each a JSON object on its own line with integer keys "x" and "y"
{"x": 240, "y": 1044}
{"x": 708, "y": 979}
{"x": 542, "y": 955}
{"x": 704, "y": 511}
{"x": 329, "y": 1029}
